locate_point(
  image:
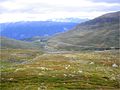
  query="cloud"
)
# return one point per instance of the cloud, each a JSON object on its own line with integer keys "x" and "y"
{"x": 108, "y": 1}
{"x": 24, "y": 10}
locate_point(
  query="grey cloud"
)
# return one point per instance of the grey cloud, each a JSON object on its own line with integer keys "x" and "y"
{"x": 30, "y": 8}
{"x": 108, "y": 1}
{"x": 43, "y": 8}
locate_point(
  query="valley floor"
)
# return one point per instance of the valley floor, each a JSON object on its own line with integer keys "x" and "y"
{"x": 34, "y": 70}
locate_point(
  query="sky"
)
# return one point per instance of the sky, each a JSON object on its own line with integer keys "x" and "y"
{"x": 37, "y": 10}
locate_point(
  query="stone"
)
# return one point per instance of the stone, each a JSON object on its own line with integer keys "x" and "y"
{"x": 114, "y": 65}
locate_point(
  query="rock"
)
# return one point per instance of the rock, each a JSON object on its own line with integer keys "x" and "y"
{"x": 91, "y": 63}
{"x": 42, "y": 68}
{"x": 80, "y": 71}
{"x": 65, "y": 75}
{"x": 114, "y": 65}
{"x": 11, "y": 79}
{"x": 40, "y": 74}
{"x": 66, "y": 67}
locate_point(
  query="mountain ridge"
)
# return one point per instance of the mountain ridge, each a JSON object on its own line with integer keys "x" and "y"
{"x": 8, "y": 43}
{"x": 101, "y": 32}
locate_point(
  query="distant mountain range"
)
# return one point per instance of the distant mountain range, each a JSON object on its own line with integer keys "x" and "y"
{"x": 100, "y": 33}
{"x": 72, "y": 20}
{"x": 28, "y": 29}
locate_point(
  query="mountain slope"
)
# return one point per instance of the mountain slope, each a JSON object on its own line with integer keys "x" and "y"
{"x": 101, "y": 32}
{"x": 16, "y": 44}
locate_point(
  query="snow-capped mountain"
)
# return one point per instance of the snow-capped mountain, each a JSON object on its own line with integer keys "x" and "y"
{"x": 73, "y": 20}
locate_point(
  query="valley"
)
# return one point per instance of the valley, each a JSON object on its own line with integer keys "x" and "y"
{"x": 86, "y": 57}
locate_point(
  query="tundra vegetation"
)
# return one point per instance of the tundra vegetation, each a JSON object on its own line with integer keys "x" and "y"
{"x": 35, "y": 70}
